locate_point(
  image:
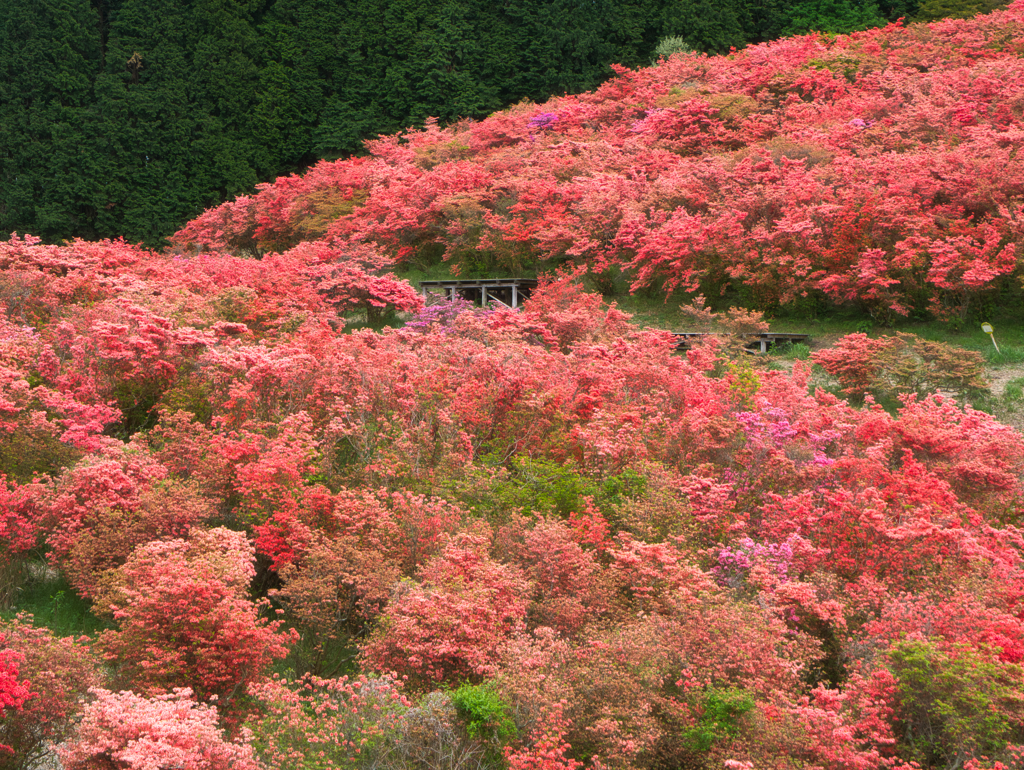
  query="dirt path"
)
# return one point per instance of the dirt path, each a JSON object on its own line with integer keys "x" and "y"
{"x": 999, "y": 376}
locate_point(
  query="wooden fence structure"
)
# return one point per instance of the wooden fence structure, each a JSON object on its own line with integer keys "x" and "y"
{"x": 508, "y": 292}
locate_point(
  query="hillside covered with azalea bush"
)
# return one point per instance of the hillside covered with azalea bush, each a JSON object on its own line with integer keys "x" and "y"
{"x": 545, "y": 539}
{"x": 879, "y": 169}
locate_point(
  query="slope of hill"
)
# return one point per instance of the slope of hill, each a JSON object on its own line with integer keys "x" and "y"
{"x": 879, "y": 168}
{"x": 620, "y": 556}
{"x": 124, "y": 118}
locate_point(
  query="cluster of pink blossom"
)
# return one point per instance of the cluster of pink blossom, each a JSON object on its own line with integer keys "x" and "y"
{"x": 735, "y": 562}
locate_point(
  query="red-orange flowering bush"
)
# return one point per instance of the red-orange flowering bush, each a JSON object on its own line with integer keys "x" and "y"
{"x": 452, "y": 622}
{"x": 344, "y": 722}
{"x": 184, "y": 617}
{"x": 57, "y": 674}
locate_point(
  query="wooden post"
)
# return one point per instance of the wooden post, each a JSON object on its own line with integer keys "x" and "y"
{"x": 515, "y": 295}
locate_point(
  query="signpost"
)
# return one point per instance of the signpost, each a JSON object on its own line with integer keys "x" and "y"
{"x": 987, "y": 328}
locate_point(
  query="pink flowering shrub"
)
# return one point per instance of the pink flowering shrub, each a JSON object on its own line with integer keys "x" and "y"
{"x": 547, "y": 752}
{"x": 462, "y": 597}
{"x": 129, "y": 731}
{"x": 734, "y": 563}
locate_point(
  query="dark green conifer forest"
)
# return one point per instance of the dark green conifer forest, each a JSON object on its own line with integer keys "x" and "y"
{"x": 128, "y": 117}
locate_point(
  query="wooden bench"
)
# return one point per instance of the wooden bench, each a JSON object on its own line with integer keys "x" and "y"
{"x": 754, "y": 343}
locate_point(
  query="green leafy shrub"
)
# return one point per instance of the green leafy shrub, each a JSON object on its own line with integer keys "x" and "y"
{"x": 720, "y": 720}
{"x": 27, "y": 454}
{"x": 954, "y": 704}
{"x": 531, "y": 484}
{"x": 670, "y": 45}
{"x": 486, "y": 716}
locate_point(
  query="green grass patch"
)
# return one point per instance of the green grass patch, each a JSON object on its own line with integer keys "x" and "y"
{"x": 1013, "y": 392}
{"x": 53, "y": 603}
{"x": 798, "y": 351}
{"x": 652, "y": 309}
{"x": 1006, "y": 355}
{"x": 440, "y": 271}
{"x": 651, "y": 312}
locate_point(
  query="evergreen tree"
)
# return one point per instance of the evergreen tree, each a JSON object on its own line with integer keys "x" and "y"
{"x": 49, "y": 56}
{"x": 178, "y": 106}
{"x": 834, "y": 16}
{"x": 712, "y": 26}
{"x": 933, "y": 10}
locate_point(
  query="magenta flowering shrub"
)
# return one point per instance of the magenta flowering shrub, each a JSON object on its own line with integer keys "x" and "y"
{"x": 441, "y": 313}
{"x": 543, "y": 120}
{"x": 734, "y": 563}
